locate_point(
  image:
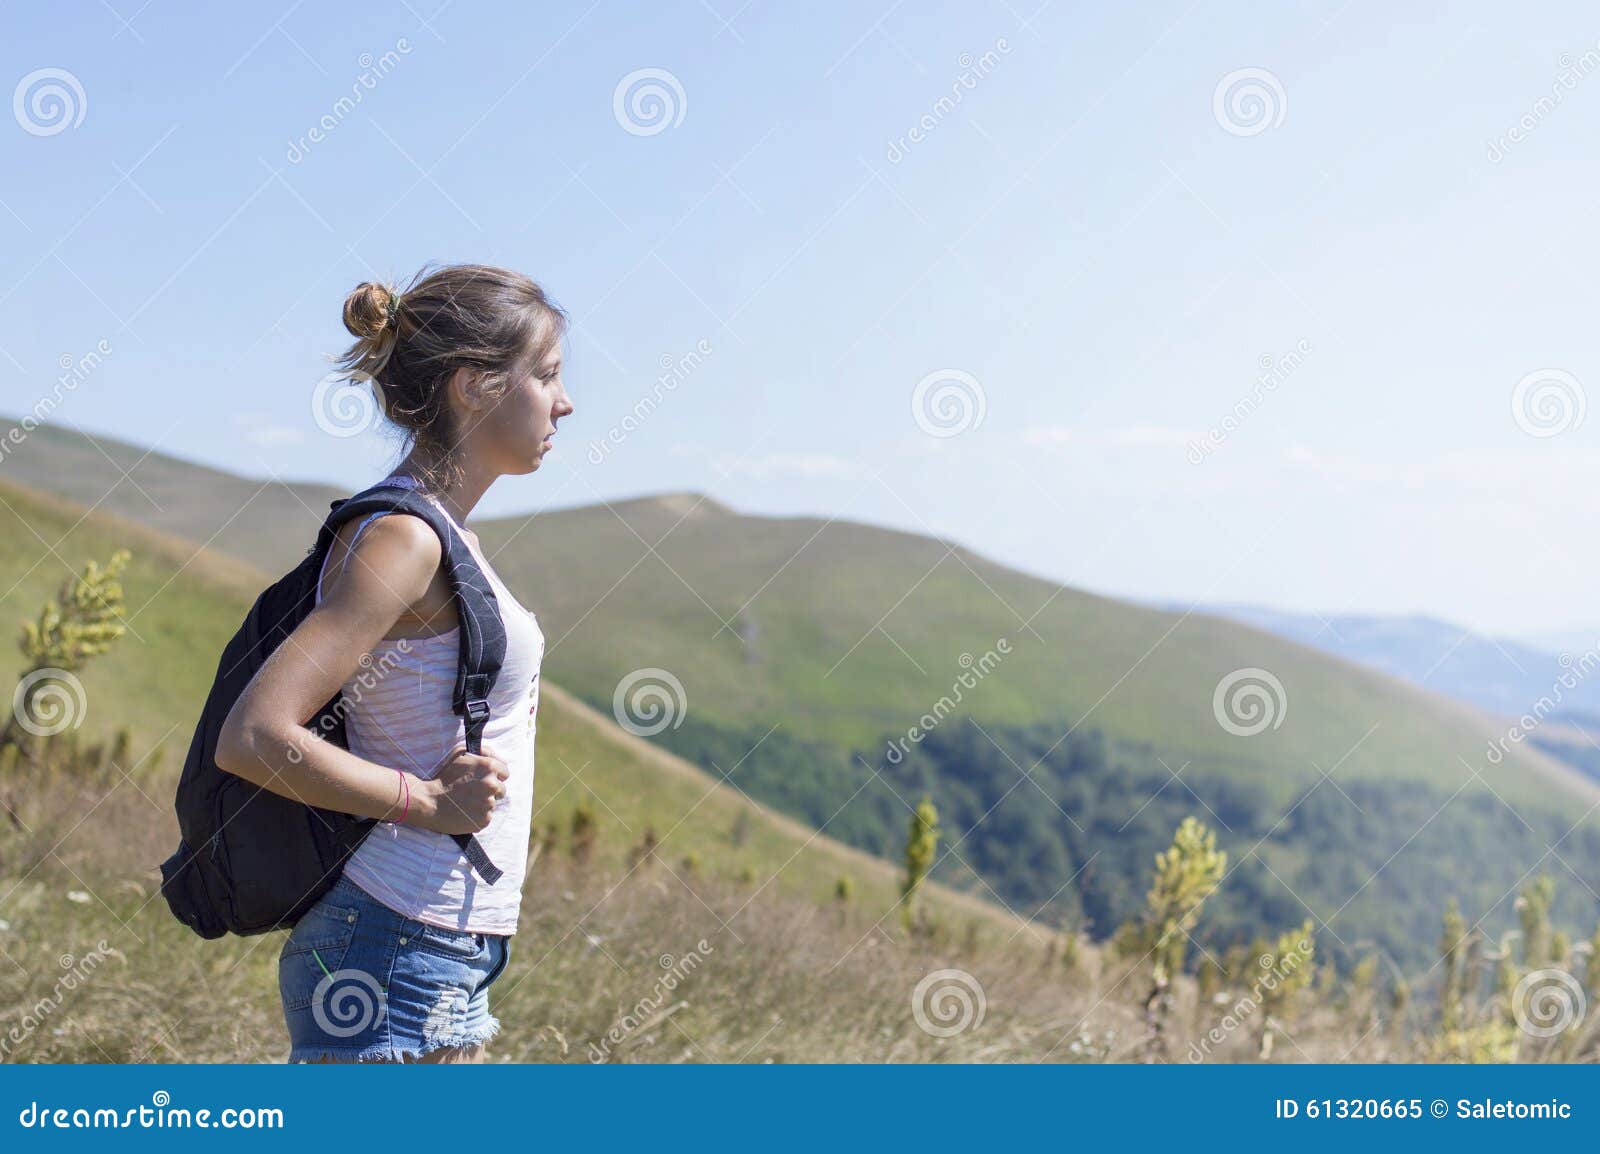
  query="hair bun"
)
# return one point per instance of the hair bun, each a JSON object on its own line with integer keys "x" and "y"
{"x": 366, "y": 310}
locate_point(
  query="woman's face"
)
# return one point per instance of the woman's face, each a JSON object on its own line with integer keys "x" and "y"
{"x": 524, "y": 417}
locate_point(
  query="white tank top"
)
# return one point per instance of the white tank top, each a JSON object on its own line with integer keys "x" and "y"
{"x": 401, "y": 715}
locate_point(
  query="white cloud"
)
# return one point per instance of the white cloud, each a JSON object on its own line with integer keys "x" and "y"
{"x": 1049, "y": 435}
{"x": 259, "y": 432}
{"x": 1128, "y": 436}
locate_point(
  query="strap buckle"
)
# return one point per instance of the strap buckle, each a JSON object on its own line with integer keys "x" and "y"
{"x": 477, "y": 711}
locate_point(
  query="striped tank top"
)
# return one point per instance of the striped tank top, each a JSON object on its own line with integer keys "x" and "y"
{"x": 401, "y": 716}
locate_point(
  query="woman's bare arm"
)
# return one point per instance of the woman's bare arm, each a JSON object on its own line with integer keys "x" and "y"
{"x": 265, "y": 740}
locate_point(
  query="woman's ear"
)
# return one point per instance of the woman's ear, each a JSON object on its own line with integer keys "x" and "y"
{"x": 466, "y": 390}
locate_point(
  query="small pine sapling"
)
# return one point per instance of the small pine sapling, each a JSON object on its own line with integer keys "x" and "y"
{"x": 921, "y": 843}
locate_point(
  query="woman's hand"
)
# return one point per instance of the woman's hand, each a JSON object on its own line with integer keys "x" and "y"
{"x": 462, "y": 796}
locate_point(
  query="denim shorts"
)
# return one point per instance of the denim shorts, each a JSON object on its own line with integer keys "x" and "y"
{"x": 361, "y": 982}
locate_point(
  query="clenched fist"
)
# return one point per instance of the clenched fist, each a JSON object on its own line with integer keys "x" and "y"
{"x": 461, "y": 797}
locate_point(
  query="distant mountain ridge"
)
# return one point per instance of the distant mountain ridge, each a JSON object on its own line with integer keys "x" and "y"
{"x": 1501, "y": 676}
{"x": 254, "y": 520}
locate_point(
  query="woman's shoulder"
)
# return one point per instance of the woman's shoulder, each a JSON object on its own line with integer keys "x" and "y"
{"x": 399, "y": 548}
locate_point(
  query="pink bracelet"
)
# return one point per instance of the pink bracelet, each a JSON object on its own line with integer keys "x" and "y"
{"x": 406, "y": 786}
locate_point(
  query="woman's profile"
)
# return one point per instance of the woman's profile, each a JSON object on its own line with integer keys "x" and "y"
{"x": 394, "y": 962}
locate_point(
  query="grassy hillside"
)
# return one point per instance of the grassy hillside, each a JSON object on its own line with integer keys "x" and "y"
{"x": 848, "y": 633}
{"x": 1369, "y": 803}
{"x": 183, "y": 605}
{"x": 264, "y": 522}
{"x": 804, "y": 648}
{"x": 786, "y": 973}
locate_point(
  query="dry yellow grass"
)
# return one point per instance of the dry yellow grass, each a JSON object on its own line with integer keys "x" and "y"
{"x": 654, "y": 964}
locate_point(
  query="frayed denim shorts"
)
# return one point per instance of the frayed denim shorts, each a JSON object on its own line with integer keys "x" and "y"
{"x": 361, "y": 982}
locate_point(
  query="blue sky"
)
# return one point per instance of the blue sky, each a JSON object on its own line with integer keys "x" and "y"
{"x": 1091, "y": 241}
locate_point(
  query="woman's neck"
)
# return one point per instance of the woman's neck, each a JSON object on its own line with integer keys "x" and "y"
{"x": 460, "y": 498}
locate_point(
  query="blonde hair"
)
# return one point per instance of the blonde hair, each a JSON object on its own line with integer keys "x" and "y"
{"x": 410, "y": 341}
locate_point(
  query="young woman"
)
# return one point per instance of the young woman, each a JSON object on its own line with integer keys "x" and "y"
{"x": 394, "y": 962}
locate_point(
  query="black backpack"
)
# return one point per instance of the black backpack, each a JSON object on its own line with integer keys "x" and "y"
{"x": 251, "y": 860}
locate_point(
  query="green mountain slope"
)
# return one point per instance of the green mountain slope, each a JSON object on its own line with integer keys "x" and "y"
{"x": 265, "y": 522}
{"x": 838, "y": 671}
{"x": 847, "y": 634}
{"x": 184, "y": 603}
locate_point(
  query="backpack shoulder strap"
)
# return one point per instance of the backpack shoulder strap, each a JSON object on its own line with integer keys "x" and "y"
{"x": 482, "y": 635}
